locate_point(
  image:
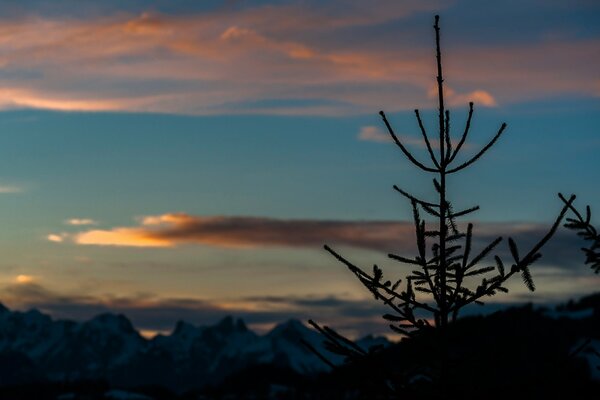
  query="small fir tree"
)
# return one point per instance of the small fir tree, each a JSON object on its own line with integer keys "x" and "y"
{"x": 444, "y": 275}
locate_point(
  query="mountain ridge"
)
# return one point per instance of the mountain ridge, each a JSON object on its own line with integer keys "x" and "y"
{"x": 108, "y": 346}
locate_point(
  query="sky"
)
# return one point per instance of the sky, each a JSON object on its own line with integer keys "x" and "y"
{"x": 187, "y": 160}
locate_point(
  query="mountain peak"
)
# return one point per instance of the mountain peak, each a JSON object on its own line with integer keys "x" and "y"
{"x": 229, "y": 325}
{"x": 114, "y": 322}
{"x": 288, "y": 327}
{"x": 226, "y": 323}
{"x": 182, "y": 326}
{"x": 240, "y": 325}
{"x": 294, "y": 324}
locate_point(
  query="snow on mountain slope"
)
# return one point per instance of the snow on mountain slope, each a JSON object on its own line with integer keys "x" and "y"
{"x": 108, "y": 346}
{"x": 180, "y": 341}
{"x": 285, "y": 340}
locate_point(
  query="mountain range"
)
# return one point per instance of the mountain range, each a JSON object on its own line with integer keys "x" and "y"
{"x": 547, "y": 351}
{"x": 34, "y": 348}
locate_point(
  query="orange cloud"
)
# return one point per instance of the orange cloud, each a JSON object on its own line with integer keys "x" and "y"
{"x": 173, "y": 229}
{"x": 479, "y": 97}
{"x": 19, "y": 98}
{"x": 129, "y": 237}
{"x": 226, "y": 61}
{"x": 24, "y": 279}
{"x": 57, "y": 238}
{"x": 169, "y": 230}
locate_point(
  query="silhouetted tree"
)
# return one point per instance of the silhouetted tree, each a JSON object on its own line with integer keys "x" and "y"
{"x": 443, "y": 276}
{"x": 586, "y": 230}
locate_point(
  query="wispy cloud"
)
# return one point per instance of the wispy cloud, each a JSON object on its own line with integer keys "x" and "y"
{"x": 224, "y": 61}
{"x": 155, "y": 313}
{"x": 55, "y": 237}
{"x": 24, "y": 279}
{"x": 170, "y": 230}
{"x": 10, "y": 189}
{"x": 80, "y": 221}
{"x": 375, "y": 134}
{"x": 125, "y": 237}
{"x": 151, "y": 312}
{"x": 479, "y": 96}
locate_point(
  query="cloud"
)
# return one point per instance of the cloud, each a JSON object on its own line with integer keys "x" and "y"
{"x": 169, "y": 230}
{"x": 371, "y": 133}
{"x": 24, "y": 279}
{"x": 127, "y": 237}
{"x": 10, "y": 189}
{"x": 15, "y": 98}
{"x": 55, "y": 237}
{"x": 80, "y": 221}
{"x": 478, "y": 97}
{"x": 330, "y": 58}
{"x": 151, "y": 312}
{"x": 196, "y": 59}
{"x": 374, "y": 134}
{"x": 241, "y": 232}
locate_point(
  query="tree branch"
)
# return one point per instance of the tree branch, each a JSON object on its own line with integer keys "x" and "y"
{"x": 359, "y": 272}
{"x": 481, "y": 152}
{"x": 413, "y": 198}
{"x": 464, "y": 135}
{"x": 496, "y": 283}
{"x": 404, "y": 150}
{"x": 426, "y": 139}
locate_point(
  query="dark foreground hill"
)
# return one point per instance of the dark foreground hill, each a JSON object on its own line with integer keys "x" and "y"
{"x": 521, "y": 351}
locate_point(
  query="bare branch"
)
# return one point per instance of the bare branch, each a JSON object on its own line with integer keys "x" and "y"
{"x": 426, "y": 139}
{"x": 404, "y": 150}
{"x": 413, "y": 198}
{"x": 317, "y": 353}
{"x": 481, "y": 152}
{"x": 551, "y": 232}
{"x": 464, "y": 135}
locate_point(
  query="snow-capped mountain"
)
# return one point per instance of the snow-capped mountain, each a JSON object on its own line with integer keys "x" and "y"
{"x": 108, "y": 347}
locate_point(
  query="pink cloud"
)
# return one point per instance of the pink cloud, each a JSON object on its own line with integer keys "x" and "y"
{"x": 214, "y": 62}
{"x": 374, "y": 134}
{"x": 479, "y": 97}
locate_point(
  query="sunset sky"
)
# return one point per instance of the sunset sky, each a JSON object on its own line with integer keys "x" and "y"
{"x": 176, "y": 159}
